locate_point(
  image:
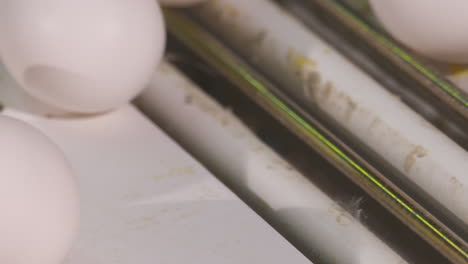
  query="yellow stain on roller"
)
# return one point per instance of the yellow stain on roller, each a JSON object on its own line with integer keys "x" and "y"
{"x": 300, "y": 61}
{"x": 457, "y": 70}
{"x": 300, "y": 64}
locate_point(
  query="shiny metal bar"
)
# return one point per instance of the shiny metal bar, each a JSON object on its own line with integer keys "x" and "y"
{"x": 287, "y": 198}
{"x": 352, "y": 104}
{"x": 442, "y": 93}
{"x": 313, "y": 133}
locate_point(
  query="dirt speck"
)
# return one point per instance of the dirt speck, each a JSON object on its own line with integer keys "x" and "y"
{"x": 327, "y": 90}
{"x": 186, "y": 215}
{"x": 343, "y": 212}
{"x": 394, "y": 95}
{"x": 258, "y": 148}
{"x": 343, "y": 219}
{"x": 458, "y": 70}
{"x": 417, "y": 153}
{"x": 223, "y": 10}
{"x": 300, "y": 64}
{"x": 374, "y": 125}
{"x": 224, "y": 120}
{"x": 255, "y": 43}
{"x": 257, "y": 39}
{"x": 163, "y": 67}
{"x": 350, "y": 108}
{"x": 188, "y": 99}
{"x": 299, "y": 61}
{"x": 223, "y": 116}
{"x": 182, "y": 171}
{"x": 338, "y": 219}
{"x": 287, "y": 166}
{"x": 354, "y": 207}
{"x": 147, "y": 219}
{"x": 63, "y": 116}
{"x": 313, "y": 81}
{"x": 143, "y": 223}
{"x": 456, "y": 182}
{"x": 231, "y": 11}
{"x": 314, "y": 87}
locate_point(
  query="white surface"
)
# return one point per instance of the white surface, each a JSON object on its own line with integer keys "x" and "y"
{"x": 82, "y": 56}
{"x": 310, "y": 218}
{"x": 309, "y": 68}
{"x": 146, "y": 201}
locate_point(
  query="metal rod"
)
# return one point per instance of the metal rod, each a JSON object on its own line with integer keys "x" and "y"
{"x": 377, "y": 124}
{"x": 392, "y": 76}
{"x": 258, "y": 174}
{"x": 445, "y": 91}
{"x": 186, "y": 30}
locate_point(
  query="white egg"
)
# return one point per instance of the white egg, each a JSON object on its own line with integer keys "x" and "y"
{"x": 38, "y": 197}
{"x": 83, "y": 56}
{"x": 180, "y": 3}
{"x": 435, "y": 28}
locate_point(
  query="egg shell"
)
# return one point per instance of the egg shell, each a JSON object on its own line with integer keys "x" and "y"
{"x": 38, "y": 197}
{"x": 82, "y": 56}
{"x": 433, "y": 28}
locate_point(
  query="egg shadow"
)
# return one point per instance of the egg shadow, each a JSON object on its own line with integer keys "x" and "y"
{"x": 14, "y": 97}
